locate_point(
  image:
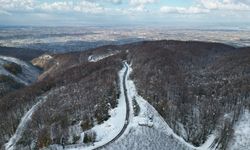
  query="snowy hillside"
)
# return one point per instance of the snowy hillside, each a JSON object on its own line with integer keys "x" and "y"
{"x": 173, "y": 96}
{"x": 95, "y": 58}
{"x": 23, "y": 125}
{"x": 108, "y": 130}
{"x": 28, "y": 74}
{"x": 149, "y": 131}
{"x": 241, "y": 137}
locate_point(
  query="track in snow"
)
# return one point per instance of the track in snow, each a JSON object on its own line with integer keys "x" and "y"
{"x": 23, "y": 124}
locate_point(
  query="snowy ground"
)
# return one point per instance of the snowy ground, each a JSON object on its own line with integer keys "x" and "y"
{"x": 149, "y": 131}
{"x": 112, "y": 127}
{"x": 29, "y": 73}
{"x": 23, "y": 125}
{"x": 95, "y": 58}
{"x": 241, "y": 137}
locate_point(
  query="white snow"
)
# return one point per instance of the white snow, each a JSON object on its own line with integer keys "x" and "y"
{"x": 29, "y": 73}
{"x": 148, "y": 130}
{"x": 151, "y": 127}
{"x": 111, "y": 128}
{"x": 241, "y": 137}
{"x": 46, "y": 56}
{"x": 23, "y": 124}
{"x": 96, "y": 58}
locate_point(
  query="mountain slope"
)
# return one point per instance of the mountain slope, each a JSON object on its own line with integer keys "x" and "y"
{"x": 20, "y": 53}
{"x": 189, "y": 84}
{"x": 199, "y": 89}
{"x": 19, "y": 70}
{"x": 241, "y": 136}
{"x": 15, "y": 74}
{"x": 73, "y": 95}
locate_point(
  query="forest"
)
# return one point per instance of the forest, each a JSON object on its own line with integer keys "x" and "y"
{"x": 197, "y": 87}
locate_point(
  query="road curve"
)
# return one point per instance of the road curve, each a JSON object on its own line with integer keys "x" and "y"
{"x": 126, "y": 118}
{"x": 127, "y": 110}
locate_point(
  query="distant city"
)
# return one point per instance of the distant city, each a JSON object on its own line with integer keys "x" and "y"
{"x": 64, "y": 39}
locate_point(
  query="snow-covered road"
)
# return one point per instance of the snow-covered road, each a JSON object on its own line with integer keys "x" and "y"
{"x": 123, "y": 128}
{"x": 115, "y": 126}
{"x": 149, "y": 130}
{"x": 23, "y": 124}
{"x": 125, "y": 77}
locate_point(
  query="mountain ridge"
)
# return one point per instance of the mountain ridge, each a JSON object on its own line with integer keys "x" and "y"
{"x": 192, "y": 85}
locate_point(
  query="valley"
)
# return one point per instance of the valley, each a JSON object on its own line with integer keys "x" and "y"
{"x": 162, "y": 94}
{"x": 124, "y": 74}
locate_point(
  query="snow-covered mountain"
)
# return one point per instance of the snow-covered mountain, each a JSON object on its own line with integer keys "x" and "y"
{"x": 166, "y": 95}
{"x": 26, "y": 73}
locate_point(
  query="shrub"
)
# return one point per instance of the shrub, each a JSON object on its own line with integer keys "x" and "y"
{"x": 75, "y": 139}
{"x": 136, "y": 107}
{"x": 44, "y": 138}
{"x": 10, "y": 81}
{"x": 89, "y": 137}
{"x": 8, "y": 84}
{"x": 13, "y": 68}
{"x": 86, "y": 124}
{"x": 101, "y": 112}
{"x": 25, "y": 140}
{"x": 4, "y": 78}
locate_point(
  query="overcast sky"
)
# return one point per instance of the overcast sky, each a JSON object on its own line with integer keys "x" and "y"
{"x": 124, "y": 12}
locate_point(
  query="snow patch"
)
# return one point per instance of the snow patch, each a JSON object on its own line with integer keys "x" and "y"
{"x": 150, "y": 124}
{"x": 241, "y": 137}
{"x": 29, "y": 73}
{"x": 23, "y": 124}
{"x": 109, "y": 129}
{"x": 147, "y": 130}
{"x": 93, "y": 58}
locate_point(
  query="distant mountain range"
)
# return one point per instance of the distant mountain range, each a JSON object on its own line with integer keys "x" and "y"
{"x": 66, "y": 39}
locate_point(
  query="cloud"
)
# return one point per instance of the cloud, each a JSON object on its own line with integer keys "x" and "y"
{"x": 71, "y": 6}
{"x": 140, "y": 5}
{"x": 115, "y": 1}
{"x": 206, "y": 6}
{"x": 23, "y": 5}
{"x": 88, "y": 7}
{"x": 111, "y": 9}
{"x": 234, "y": 5}
{"x": 2, "y": 12}
{"x": 141, "y": 2}
{"x": 56, "y": 6}
{"x": 183, "y": 10}
{"x": 82, "y": 6}
{"x": 108, "y": 1}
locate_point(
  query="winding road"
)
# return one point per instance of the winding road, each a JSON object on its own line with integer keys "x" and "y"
{"x": 127, "y": 109}
{"x": 125, "y": 75}
{"x": 23, "y": 125}
{"x": 27, "y": 117}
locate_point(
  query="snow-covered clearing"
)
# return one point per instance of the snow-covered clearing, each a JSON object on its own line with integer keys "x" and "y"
{"x": 96, "y": 58}
{"x": 241, "y": 137}
{"x": 29, "y": 73}
{"x": 23, "y": 124}
{"x": 148, "y": 130}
